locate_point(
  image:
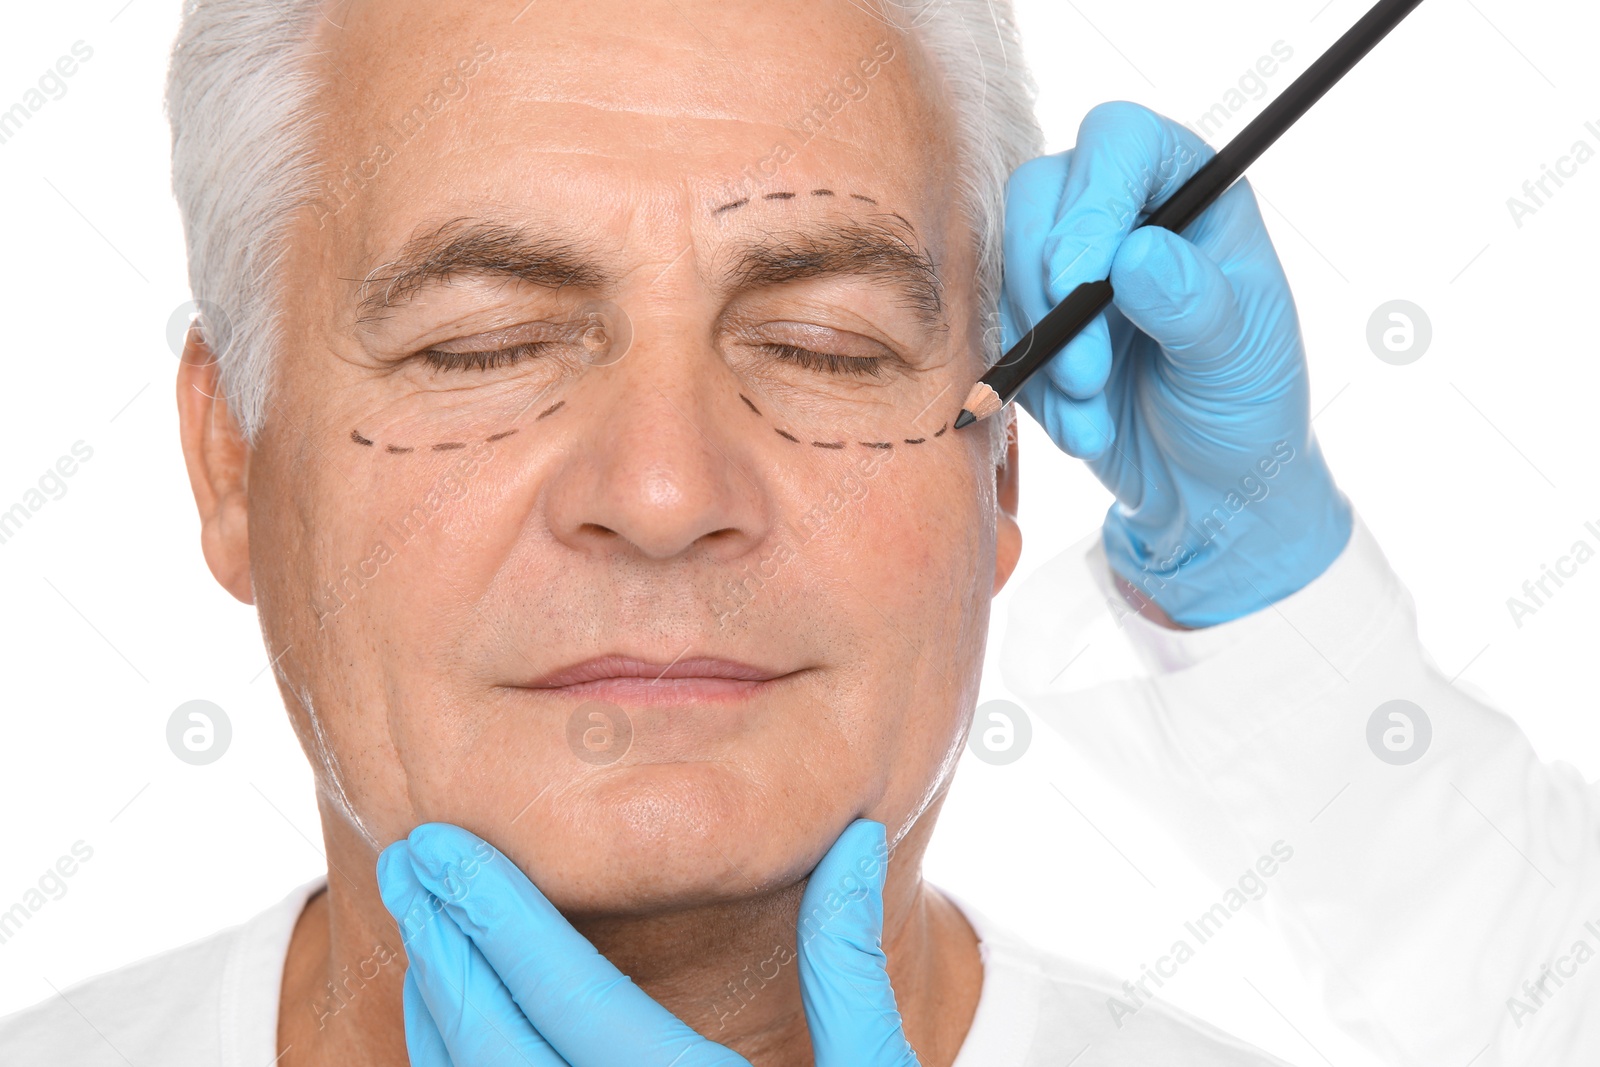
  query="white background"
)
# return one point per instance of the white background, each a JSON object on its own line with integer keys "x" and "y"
{"x": 1473, "y": 465}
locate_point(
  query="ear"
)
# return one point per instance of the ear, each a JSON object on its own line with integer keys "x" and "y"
{"x": 1008, "y": 534}
{"x": 218, "y": 459}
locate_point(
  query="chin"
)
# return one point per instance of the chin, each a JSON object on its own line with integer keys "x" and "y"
{"x": 665, "y": 837}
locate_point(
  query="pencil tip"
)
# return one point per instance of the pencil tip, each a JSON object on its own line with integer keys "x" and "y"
{"x": 966, "y": 418}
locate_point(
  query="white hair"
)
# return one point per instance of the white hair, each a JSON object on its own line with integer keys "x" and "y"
{"x": 239, "y": 93}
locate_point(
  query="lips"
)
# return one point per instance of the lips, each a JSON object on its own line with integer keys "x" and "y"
{"x": 625, "y": 679}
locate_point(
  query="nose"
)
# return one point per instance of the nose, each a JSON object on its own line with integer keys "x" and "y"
{"x": 655, "y": 469}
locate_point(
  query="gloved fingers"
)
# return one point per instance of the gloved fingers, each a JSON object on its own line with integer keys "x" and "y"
{"x": 850, "y": 1006}
{"x": 1232, "y": 232}
{"x": 1033, "y": 200}
{"x": 424, "y": 1043}
{"x": 1081, "y": 369}
{"x": 1081, "y": 428}
{"x": 1183, "y": 299}
{"x": 590, "y": 1012}
{"x": 1177, "y": 295}
{"x": 467, "y": 1006}
{"x": 1127, "y": 162}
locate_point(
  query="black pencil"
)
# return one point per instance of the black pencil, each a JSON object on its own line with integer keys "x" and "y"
{"x": 1064, "y": 321}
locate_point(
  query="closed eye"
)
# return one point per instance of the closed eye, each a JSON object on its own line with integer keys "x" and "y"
{"x": 828, "y": 362}
{"x": 486, "y": 359}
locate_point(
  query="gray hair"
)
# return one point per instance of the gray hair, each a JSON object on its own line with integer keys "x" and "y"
{"x": 239, "y": 91}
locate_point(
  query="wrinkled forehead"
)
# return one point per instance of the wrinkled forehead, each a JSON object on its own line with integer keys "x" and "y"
{"x": 727, "y": 97}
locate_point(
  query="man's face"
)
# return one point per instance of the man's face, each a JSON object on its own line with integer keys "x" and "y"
{"x": 608, "y": 505}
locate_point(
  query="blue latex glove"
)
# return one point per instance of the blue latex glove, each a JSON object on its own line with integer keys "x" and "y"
{"x": 497, "y": 976}
{"x": 1189, "y": 396}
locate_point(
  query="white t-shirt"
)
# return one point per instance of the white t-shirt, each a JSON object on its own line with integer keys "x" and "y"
{"x": 214, "y": 1003}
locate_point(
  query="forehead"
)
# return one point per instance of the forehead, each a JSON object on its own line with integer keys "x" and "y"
{"x": 619, "y": 110}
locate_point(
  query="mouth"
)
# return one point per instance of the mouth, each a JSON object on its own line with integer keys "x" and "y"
{"x": 639, "y": 682}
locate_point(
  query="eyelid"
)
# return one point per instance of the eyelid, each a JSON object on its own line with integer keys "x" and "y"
{"x": 816, "y": 337}
{"x": 525, "y": 333}
{"x": 829, "y": 362}
{"x": 483, "y": 358}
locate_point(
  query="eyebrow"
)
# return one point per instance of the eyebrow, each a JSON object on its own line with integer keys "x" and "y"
{"x": 464, "y": 247}
{"x": 884, "y": 248}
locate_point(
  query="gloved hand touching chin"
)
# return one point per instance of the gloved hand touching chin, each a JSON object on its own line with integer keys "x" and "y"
{"x": 495, "y": 975}
{"x": 1188, "y": 397}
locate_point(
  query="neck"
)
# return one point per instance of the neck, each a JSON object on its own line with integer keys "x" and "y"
{"x": 727, "y": 970}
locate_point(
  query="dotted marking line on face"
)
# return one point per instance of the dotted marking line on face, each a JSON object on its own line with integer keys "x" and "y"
{"x": 787, "y": 436}
{"x": 735, "y": 205}
{"x": 551, "y": 410}
{"x": 442, "y": 446}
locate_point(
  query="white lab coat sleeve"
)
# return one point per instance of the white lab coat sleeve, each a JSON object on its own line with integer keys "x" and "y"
{"x": 1447, "y": 908}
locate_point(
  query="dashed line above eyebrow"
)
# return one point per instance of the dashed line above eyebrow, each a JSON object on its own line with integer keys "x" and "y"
{"x": 358, "y": 439}
{"x": 734, "y": 205}
{"x": 915, "y": 440}
{"x": 827, "y": 444}
{"x": 497, "y": 436}
{"x": 874, "y": 444}
{"x": 395, "y": 449}
{"x": 449, "y": 446}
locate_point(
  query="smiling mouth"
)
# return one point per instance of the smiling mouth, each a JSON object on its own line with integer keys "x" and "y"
{"x": 639, "y": 682}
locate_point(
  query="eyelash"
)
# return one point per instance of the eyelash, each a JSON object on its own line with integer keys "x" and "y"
{"x": 828, "y": 362}
{"x": 485, "y": 360}
{"x": 860, "y": 366}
